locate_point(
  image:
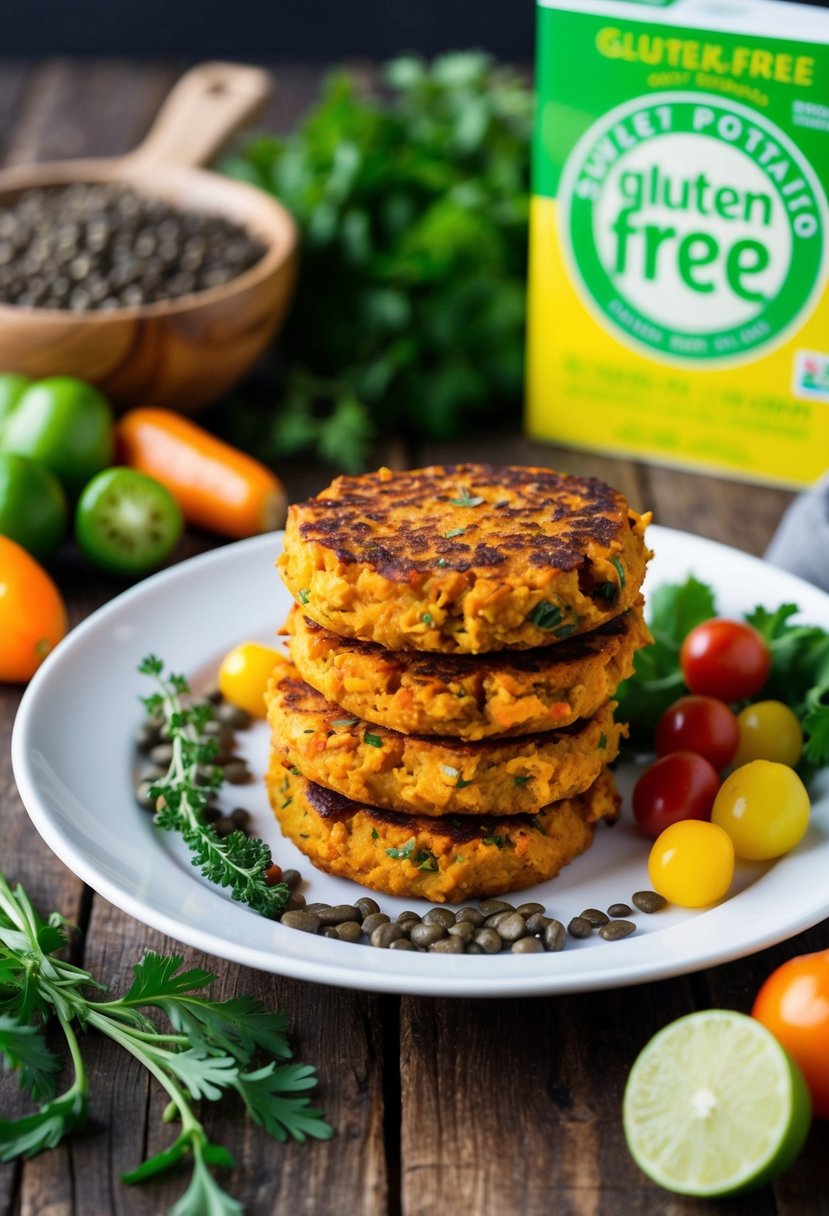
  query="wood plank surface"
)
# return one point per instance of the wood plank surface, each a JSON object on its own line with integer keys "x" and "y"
{"x": 513, "y": 1106}
{"x": 340, "y": 1031}
{"x": 728, "y": 511}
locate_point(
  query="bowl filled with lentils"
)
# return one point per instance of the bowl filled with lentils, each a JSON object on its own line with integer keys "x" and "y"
{"x": 151, "y": 277}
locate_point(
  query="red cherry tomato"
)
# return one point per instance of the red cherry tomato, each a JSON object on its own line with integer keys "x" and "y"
{"x": 699, "y": 724}
{"x": 725, "y": 659}
{"x": 679, "y": 786}
{"x": 794, "y": 1005}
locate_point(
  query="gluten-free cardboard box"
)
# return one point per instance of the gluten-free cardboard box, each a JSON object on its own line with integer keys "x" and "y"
{"x": 678, "y": 304}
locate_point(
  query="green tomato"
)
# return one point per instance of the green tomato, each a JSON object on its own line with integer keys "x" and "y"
{"x": 12, "y": 388}
{"x": 66, "y": 425}
{"x": 32, "y": 505}
{"x": 126, "y": 522}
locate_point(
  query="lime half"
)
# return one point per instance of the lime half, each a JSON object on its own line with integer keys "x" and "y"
{"x": 714, "y": 1105}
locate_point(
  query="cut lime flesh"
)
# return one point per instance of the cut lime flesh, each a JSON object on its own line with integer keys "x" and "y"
{"x": 714, "y": 1105}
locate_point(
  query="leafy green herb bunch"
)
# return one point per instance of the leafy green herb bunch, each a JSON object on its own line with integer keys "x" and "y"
{"x": 412, "y": 205}
{"x": 197, "y": 1049}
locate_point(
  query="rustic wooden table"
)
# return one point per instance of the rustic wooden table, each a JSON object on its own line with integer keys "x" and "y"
{"x": 480, "y": 1108}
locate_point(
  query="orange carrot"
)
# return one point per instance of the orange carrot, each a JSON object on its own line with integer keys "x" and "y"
{"x": 217, "y": 487}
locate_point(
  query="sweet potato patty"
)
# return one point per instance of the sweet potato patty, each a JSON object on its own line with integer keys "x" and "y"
{"x": 433, "y": 776}
{"x": 437, "y": 859}
{"x": 464, "y": 558}
{"x": 511, "y": 693}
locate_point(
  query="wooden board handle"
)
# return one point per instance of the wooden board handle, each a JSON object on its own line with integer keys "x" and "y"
{"x": 204, "y": 109}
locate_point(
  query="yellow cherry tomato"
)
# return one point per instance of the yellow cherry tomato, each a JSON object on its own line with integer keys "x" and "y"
{"x": 32, "y": 613}
{"x": 764, "y": 808}
{"x": 691, "y": 863}
{"x": 769, "y": 730}
{"x": 244, "y": 674}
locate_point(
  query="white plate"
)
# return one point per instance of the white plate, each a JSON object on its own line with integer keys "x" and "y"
{"x": 72, "y": 756}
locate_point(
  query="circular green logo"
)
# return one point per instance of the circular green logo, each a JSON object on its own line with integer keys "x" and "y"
{"x": 694, "y": 226}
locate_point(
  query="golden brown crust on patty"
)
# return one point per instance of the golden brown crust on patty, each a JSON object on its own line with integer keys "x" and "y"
{"x": 443, "y": 860}
{"x": 464, "y": 558}
{"x": 511, "y": 693}
{"x": 433, "y": 776}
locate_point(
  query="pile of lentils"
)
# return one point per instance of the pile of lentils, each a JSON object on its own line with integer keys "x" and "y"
{"x": 155, "y": 753}
{"x": 491, "y": 927}
{"x": 104, "y": 246}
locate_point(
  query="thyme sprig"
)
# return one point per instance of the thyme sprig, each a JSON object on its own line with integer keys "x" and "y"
{"x": 210, "y": 1048}
{"x": 235, "y": 861}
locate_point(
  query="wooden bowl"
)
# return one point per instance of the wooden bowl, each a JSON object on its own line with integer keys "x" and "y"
{"x": 186, "y": 352}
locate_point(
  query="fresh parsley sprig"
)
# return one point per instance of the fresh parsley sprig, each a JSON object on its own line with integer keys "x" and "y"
{"x": 235, "y": 861}
{"x": 799, "y": 675}
{"x": 211, "y": 1048}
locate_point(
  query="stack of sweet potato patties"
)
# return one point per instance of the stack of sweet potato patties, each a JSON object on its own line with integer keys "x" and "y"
{"x": 444, "y": 727}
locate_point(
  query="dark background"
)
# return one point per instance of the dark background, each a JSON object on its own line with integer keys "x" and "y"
{"x": 267, "y": 29}
{"x": 264, "y": 29}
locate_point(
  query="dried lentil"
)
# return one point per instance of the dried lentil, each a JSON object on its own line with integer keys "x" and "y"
{"x": 162, "y": 755}
{"x": 147, "y": 736}
{"x": 512, "y": 927}
{"x": 527, "y": 945}
{"x": 349, "y": 931}
{"x": 383, "y": 936}
{"x": 579, "y": 927}
{"x": 463, "y": 930}
{"x": 488, "y": 906}
{"x": 488, "y": 940}
{"x": 143, "y": 796}
{"x": 306, "y": 922}
{"x": 447, "y": 945}
{"x": 337, "y": 914}
{"x": 615, "y": 930}
{"x": 426, "y": 935}
{"x": 237, "y": 772}
{"x": 555, "y": 936}
{"x": 648, "y": 901}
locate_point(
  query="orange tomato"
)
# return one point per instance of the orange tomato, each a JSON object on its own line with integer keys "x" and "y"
{"x": 794, "y": 1005}
{"x": 217, "y": 486}
{"x": 32, "y": 613}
